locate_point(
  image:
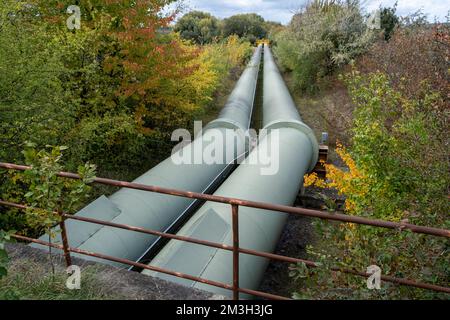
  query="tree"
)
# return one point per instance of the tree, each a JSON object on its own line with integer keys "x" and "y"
{"x": 4, "y": 258}
{"x": 199, "y": 27}
{"x": 326, "y": 34}
{"x": 250, "y": 26}
{"x": 117, "y": 69}
{"x": 112, "y": 91}
{"x": 389, "y": 21}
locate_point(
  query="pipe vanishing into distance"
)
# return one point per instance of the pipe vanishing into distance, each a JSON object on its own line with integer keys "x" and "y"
{"x": 279, "y": 109}
{"x": 290, "y": 143}
{"x": 157, "y": 211}
{"x": 237, "y": 112}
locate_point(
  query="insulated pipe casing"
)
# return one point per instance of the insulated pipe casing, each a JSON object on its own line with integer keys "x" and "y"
{"x": 290, "y": 144}
{"x": 258, "y": 229}
{"x": 279, "y": 108}
{"x": 238, "y": 109}
{"x": 157, "y": 211}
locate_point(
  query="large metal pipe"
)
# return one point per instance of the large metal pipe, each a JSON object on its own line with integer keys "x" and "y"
{"x": 279, "y": 108}
{"x": 158, "y": 211}
{"x": 296, "y": 151}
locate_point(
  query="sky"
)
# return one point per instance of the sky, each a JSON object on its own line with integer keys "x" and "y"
{"x": 282, "y": 10}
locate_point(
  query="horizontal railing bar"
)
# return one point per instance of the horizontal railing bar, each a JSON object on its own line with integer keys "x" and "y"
{"x": 258, "y": 205}
{"x": 151, "y": 268}
{"x": 262, "y": 294}
{"x": 271, "y": 256}
{"x": 401, "y": 281}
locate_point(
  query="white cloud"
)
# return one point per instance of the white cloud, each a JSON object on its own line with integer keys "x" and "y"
{"x": 282, "y": 10}
{"x": 433, "y": 8}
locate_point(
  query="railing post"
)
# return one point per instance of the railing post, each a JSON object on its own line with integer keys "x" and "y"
{"x": 235, "y": 223}
{"x": 65, "y": 241}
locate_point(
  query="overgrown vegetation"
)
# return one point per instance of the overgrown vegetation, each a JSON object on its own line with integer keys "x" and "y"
{"x": 397, "y": 171}
{"x": 389, "y": 21}
{"x": 248, "y": 26}
{"x": 112, "y": 91}
{"x": 29, "y": 280}
{"x": 320, "y": 38}
{"x": 415, "y": 56}
{"x": 5, "y": 237}
{"x": 396, "y": 155}
{"x": 47, "y": 196}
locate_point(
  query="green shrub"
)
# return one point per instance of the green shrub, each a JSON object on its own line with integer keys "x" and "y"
{"x": 112, "y": 92}
{"x": 398, "y": 171}
{"x": 43, "y": 191}
{"x": 389, "y": 21}
{"x": 249, "y": 26}
{"x": 4, "y": 258}
{"x": 320, "y": 38}
{"x": 111, "y": 140}
{"x": 416, "y": 53}
{"x": 30, "y": 280}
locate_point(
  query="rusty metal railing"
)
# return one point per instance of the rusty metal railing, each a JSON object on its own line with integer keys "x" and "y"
{"x": 235, "y": 248}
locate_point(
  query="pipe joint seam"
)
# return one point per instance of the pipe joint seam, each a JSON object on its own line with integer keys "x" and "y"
{"x": 280, "y": 124}
{"x": 224, "y": 124}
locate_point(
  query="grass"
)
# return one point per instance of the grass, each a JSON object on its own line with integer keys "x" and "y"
{"x": 28, "y": 280}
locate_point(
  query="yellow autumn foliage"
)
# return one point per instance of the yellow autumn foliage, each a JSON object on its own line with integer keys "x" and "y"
{"x": 347, "y": 182}
{"x": 227, "y": 54}
{"x": 202, "y": 70}
{"x": 210, "y": 67}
